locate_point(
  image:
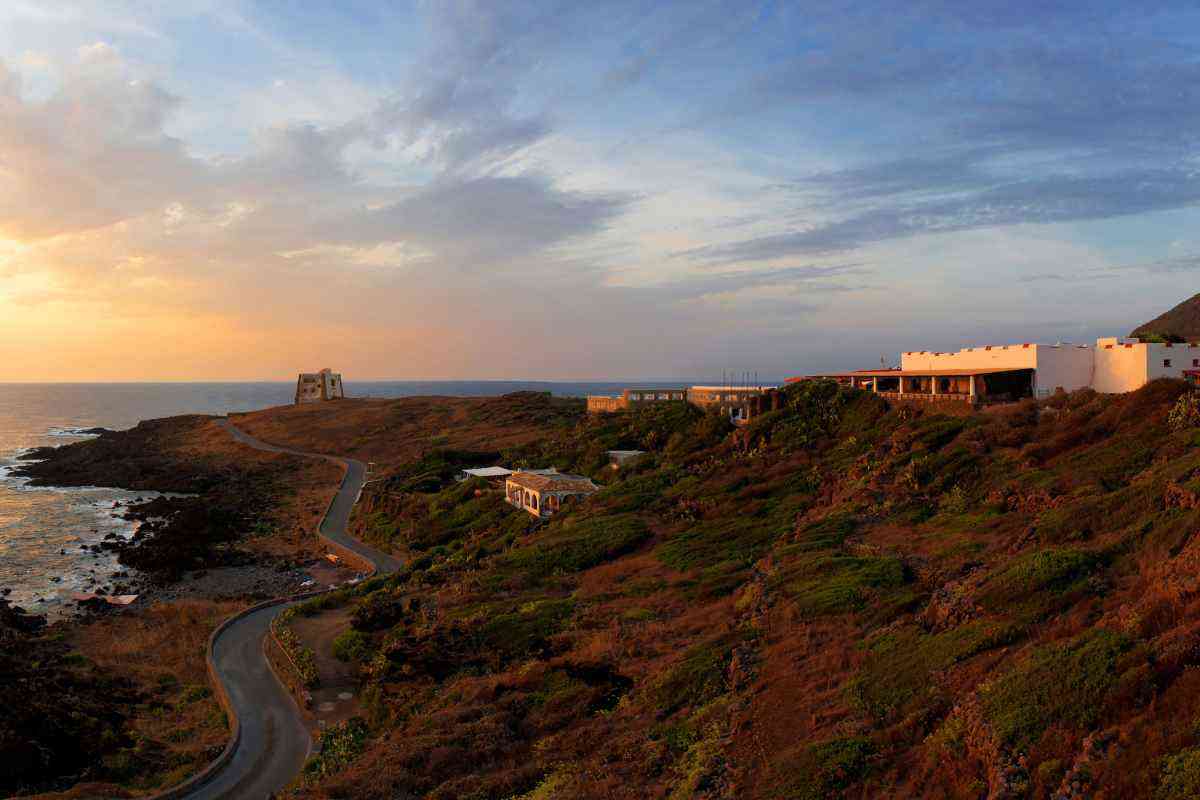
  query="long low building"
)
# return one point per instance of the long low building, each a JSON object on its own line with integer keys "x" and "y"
{"x": 631, "y": 398}
{"x": 739, "y": 402}
{"x": 1012, "y": 371}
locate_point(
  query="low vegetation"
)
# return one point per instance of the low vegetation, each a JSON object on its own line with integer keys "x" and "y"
{"x": 841, "y": 599}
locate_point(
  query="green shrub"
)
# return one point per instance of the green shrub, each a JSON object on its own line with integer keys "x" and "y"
{"x": 1185, "y": 414}
{"x": 1059, "y": 684}
{"x": 504, "y": 637}
{"x": 1034, "y": 584}
{"x": 352, "y": 645}
{"x": 568, "y": 550}
{"x": 301, "y": 657}
{"x": 825, "y": 769}
{"x": 900, "y": 664}
{"x": 697, "y": 679}
{"x": 194, "y": 692}
{"x": 741, "y": 539}
{"x": 340, "y": 745}
{"x": 838, "y": 584}
{"x": 1180, "y": 776}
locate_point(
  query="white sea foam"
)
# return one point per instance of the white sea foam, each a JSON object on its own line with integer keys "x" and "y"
{"x": 74, "y": 433}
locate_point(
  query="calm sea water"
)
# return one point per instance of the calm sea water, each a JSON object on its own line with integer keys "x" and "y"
{"x": 42, "y": 530}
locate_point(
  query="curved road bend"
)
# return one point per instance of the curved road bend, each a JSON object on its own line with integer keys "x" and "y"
{"x": 274, "y": 742}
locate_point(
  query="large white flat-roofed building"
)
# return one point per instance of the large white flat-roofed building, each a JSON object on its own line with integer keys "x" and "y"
{"x": 1123, "y": 365}
{"x": 314, "y": 387}
{"x": 1054, "y": 366}
{"x": 996, "y": 373}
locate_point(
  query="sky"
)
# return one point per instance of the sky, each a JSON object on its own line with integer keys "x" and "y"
{"x": 475, "y": 189}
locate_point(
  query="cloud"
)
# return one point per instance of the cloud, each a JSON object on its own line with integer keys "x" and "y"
{"x": 483, "y": 220}
{"x": 1052, "y": 199}
{"x": 614, "y": 186}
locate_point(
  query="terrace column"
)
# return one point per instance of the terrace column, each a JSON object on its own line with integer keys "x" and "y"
{"x": 902, "y": 385}
{"x": 933, "y": 384}
{"x": 972, "y": 387}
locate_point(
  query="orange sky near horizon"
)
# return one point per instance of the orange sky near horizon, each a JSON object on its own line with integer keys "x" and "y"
{"x": 482, "y": 190}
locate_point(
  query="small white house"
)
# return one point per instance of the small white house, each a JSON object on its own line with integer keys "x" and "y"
{"x": 489, "y": 473}
{"x": 543, "y": 495}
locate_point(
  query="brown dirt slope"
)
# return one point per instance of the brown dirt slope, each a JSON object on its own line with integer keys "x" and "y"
{"x": 1181, "y": 323}
{"x": 393, "y": 432}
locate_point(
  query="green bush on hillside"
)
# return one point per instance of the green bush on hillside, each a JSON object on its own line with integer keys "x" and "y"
{"x": 1185, "y": 414}
{"x": 839, "y": 584}
{"x": 567, "y": 550}
{"x": 1180, "y": 776}
{"x": 1059, "y": 684}
{"x": 900, "y": 664}
{"x": 697, "y": 679}
{"x": 352, "y": 645}
{"x": 824, "y": 769}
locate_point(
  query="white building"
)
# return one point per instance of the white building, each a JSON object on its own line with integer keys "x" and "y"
{"x": 1123, "y": 365}
{"x": 1113, "y": 365}
{"x": 1007, "y": 372}
{"x": 314, "y": 387}
{"x": 1054, "y": 366}
{"x": 489, "y": 473}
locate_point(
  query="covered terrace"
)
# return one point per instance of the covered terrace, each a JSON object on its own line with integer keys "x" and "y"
{"x": 967, "y": 385}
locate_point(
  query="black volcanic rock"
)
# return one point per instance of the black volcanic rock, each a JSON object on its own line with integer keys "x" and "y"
{"x": 1180, "y": 324}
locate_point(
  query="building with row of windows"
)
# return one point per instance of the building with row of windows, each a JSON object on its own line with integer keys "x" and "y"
{"x": 736, "y": 401}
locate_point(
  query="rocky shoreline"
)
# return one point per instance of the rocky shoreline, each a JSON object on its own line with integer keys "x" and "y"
{"x": 222, "y": 525}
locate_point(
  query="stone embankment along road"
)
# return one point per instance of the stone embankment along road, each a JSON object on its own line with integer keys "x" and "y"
{"x": 269, "y": 742}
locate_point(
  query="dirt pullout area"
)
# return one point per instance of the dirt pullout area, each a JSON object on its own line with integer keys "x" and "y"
{"x": 335, "y": 698}
{"x": 117, "y": 703}
{"x": 399, "y": 431}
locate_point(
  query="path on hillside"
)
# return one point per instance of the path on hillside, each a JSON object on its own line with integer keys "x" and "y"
{"x": 273, "y": 743}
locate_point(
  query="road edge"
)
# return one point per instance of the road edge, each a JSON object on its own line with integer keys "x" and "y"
{"x": 209, "y": 772}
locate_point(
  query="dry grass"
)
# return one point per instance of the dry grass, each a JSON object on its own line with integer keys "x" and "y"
{"x": 180, "y": 725}
{"x": 393, "y": 432}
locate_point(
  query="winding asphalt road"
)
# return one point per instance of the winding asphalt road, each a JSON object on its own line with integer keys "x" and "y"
{"x": 273, "y": 743}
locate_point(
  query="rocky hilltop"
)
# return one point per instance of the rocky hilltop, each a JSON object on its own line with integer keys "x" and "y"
{"x": 1180, "y": 324}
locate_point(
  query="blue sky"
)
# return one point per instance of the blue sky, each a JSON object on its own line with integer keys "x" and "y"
{"x": 566, "y": 190}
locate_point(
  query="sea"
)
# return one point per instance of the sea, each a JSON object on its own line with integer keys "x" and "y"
{"x": 43, "y": 531}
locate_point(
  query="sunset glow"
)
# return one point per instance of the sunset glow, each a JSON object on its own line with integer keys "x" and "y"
{"x": 446, "y": 190}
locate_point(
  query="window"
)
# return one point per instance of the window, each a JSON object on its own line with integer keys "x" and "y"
{"x": 1196, "y": 362}
{"x": 1166, "y": 362}
{"x": 635, "y": 396}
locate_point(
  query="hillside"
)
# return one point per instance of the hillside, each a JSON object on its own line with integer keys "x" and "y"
{"x": 842, "y": 600}
{"x": 1181, "y": 323}
{"x": 398, "y": 431}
